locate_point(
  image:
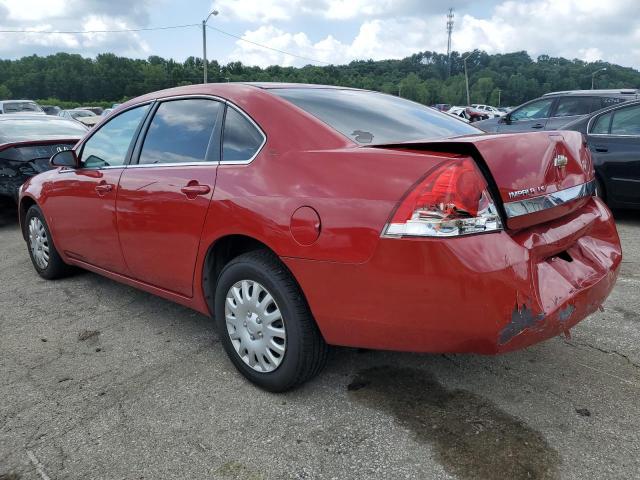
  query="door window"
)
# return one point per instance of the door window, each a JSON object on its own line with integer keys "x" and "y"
{"x": 241, "y": 139}
{"x": 571, "y": 106}
{"x": 533, "y": 111}
{"x": 181, "y": 132}
{"x": 109, "y": 146}
{"x": 626, "y": 121}
{"x": 601, "y": 125}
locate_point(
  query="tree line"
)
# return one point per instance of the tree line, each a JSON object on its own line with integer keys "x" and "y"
{"x": 426, "y": 77}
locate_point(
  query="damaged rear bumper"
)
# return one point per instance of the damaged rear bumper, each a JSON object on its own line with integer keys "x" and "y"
{"x": 486, "y": 294}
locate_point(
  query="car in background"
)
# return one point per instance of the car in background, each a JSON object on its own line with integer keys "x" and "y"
{"x": 492, "y": 111}
{"x": 20, "y": 106}
{"x": 303, "y": 216}
{"x": 86, "y": 117}
{"x": 51, "y": 109}
{"x": 613, "y": 136}
{"x": 469, "y": 114}
{"x": 107, "y": 111}
{"x": 554, "y": 110}
{"x": 97, "y": 110}
{"x": 26, "y": 144}
{"x": 442, "y": 107}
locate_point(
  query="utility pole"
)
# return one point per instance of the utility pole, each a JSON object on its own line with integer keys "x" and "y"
{"x": 466, "y": 77}
{"x": 449, "y": 32}
{"x": 593, "y": 76}
{"x": 204, "y": 42}
{"x": 499, "y": 92}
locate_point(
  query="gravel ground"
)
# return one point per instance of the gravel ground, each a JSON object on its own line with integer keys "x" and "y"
{"x": 99, "y": 380}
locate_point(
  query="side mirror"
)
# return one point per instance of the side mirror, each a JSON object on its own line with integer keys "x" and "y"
{"x": 65, "y": 158}
{"x": 507, "y": 118}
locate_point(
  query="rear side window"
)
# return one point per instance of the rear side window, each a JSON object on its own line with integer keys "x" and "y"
{"x": 626, "y": 121}
{"x": 374, "y": 118}
{"x": 181, "y": 132}
{"x": 109, "y": 146}
{"x": 571, "y": 106}
{"x": 610, "y": 101}
{"x": 241, "y": 139}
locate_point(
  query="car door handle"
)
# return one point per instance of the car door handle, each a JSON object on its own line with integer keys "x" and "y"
{"x": 192, "y": 190}
{"x": 601, "y": 149}
{"x": 103, "y": 188}
{"x": 538, "y": 125}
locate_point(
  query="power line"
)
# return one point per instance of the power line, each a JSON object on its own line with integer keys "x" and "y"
{"x": 124, "y": 30}
{"x": 267, "y": 47}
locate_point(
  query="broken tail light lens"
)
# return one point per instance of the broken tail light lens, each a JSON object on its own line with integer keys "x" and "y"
{"x": 452, "y": 200}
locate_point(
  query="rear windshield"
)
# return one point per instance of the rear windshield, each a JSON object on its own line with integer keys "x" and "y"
{"x": 27, "y": 129}
{"x": 13, "y": 107}
{"x": 375, "y": 118}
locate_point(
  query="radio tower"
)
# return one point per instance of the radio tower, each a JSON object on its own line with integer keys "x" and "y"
{"x": 449, "y": 32}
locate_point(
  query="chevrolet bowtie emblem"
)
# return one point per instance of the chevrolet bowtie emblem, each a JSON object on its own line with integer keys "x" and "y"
{"x": 560, "y": 161}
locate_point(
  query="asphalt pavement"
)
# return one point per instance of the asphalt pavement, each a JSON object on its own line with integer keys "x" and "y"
{"x": 101, "y": 381}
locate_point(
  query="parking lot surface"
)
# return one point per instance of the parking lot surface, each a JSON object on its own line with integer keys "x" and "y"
{"x": 99, "y": 380}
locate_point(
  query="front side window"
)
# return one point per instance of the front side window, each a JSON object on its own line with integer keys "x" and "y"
{"x": 181, "y": 132}
{"x": 533, "y": 111}
{"x": 571, "y": 106}
{"x": 108, "y": 147}
{"x": 372, "y": 118}
{"x": 626, "y": 121}
{"x": 241, "y": 140}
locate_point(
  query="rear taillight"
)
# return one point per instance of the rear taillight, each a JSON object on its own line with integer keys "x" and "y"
{"x": 452, "y": 200}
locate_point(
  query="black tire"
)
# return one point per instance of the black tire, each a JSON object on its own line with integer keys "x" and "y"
{"x": 306, "y": 351}
{"x": 55, "y": 267}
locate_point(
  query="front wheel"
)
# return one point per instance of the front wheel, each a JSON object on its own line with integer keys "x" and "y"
{"x": 44, "y": 256}
{"x": 265, "y": 324}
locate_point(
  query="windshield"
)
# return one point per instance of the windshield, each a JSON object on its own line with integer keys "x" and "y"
{"x": 27, "y": 129}
{"x": 13, "y": 107}
{"x": 375, "y": 118}
{"x": 82, "y": 113}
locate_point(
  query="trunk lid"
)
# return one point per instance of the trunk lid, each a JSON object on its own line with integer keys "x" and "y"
{"x": 535, "y": 177}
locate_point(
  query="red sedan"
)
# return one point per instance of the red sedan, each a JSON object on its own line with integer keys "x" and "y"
{"x": 304, "y": 216}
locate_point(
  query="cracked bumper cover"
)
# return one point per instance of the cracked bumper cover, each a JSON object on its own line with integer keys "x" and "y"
{"x": 484, "y": 294}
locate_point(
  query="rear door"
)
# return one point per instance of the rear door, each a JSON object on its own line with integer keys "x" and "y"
{"x": 164, "y": 197}
{"x": 571, "y": 108}
{"x": 614, "y": 140}
{"x": 529, "y": 117}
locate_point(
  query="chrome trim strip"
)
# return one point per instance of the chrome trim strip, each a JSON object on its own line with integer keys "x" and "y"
{"x": 550, "y": 200}
{"x": 174, "y": 164}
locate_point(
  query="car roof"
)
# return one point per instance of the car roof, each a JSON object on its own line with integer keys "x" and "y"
{"x": 28, "y": 116}
{"x": 610, "y": 92}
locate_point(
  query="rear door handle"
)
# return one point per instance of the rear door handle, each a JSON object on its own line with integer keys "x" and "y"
{"x": 601, "y": 148}
{"x": 538, "y": 125}
{"x": 193, "y": 189}
{"x": 103, "y": 188}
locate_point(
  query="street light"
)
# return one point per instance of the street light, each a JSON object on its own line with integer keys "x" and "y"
{"x": 466, "y": 77}
{"x": 593, "y": 75}
{"x": 204, "y": 41}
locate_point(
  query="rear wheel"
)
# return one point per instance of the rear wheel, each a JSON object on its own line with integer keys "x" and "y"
{"x": 43, "y": 253}
{"x": 265, "y": 324}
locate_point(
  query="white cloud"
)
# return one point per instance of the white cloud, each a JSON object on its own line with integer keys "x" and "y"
{"x": 586, "y": 29}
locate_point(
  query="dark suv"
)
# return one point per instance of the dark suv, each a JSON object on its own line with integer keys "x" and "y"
{"x": 554, "y": 110}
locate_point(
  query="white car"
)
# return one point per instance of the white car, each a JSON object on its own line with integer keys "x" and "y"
{"x": 20, "y": 106}
{"x": 492, "y": 111}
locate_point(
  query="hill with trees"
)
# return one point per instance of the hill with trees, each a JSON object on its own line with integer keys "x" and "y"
{"x": 425, "y": 77}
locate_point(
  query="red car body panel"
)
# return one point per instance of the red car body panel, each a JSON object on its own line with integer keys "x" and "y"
{"x": 320, "y": 202}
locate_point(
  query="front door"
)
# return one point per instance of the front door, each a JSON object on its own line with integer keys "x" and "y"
{"x": 163, "y": 199}
{"x": 528, "y": 118}
{"x": 82, "y": 205}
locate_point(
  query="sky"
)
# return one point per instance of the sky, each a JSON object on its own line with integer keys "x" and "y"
{"x": 325, "y": 31}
